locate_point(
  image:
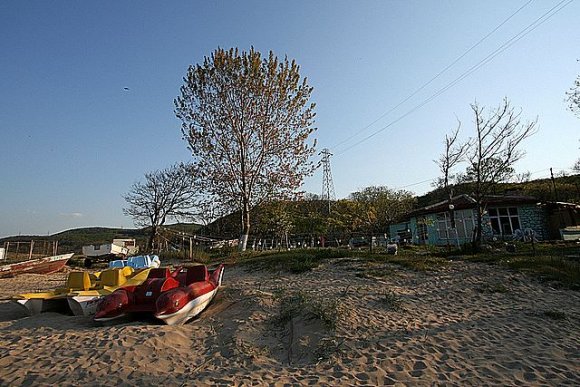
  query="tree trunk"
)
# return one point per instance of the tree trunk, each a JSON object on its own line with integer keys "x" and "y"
{"x": 478, "y": 230}
{"x": 152, "y": 236}
{"x": 246, "y": 226}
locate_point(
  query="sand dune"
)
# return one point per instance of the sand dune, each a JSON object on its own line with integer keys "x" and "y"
{"x": 466, "y": 324}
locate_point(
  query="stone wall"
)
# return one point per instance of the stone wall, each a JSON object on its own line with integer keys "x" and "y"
{"x": 536, "y": 218}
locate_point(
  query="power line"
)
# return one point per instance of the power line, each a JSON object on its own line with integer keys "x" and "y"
{"x": 499, "y": 50}
{"x": 535, "y": 24}
{"x": 435, "y": 77}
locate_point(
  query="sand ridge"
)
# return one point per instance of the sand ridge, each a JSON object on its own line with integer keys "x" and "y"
{"x": 465, "y": 324}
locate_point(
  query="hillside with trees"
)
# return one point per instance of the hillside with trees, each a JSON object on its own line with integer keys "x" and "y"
{"x": 567, "y": 189}
{"x": 73, "y": 240}
{"x": 306, "y": 219}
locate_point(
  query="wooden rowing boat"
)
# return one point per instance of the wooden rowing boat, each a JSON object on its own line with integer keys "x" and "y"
{"x": 44, "y": 265}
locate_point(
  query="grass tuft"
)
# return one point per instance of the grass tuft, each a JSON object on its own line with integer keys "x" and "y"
{"x": 376, "y": 272}
{"x": 493, "y": 288}
{"x": 294, "y": 261}
{"x": 555, "y": 315}
{"x": 299, "y": 303}
{"x": 562, "y": 270}
{"x": 392, "y": 300}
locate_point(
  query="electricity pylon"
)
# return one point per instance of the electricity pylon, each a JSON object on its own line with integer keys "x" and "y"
{"x": 327, "y": 184}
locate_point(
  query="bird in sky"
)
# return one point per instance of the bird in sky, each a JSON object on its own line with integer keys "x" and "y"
{"x": 125, "y": 88}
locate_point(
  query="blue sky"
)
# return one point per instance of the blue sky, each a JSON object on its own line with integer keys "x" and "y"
{"x": 72, "y": 140}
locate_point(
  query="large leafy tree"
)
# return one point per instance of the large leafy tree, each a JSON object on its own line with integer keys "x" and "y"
{"x": 309, "y": 217}
{"x": 167, "y": 193}
{"x": 380, "y": 206}
{"x": 274, "y": 220}
{"x": 247, "y": 120}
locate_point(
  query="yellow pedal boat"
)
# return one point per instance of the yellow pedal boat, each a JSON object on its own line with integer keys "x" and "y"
{"x": 82, "y": 292}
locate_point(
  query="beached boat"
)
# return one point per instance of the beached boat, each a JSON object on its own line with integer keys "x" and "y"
{"x": 82, "y": 293}
{"x": 44, "y": 265}
{"x": 119, "y": 248}
{"x": 173, "y": 297}
{"x": 138, "y": 262}
{"x": 31, "y": 257}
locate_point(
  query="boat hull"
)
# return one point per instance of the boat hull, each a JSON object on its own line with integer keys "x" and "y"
{"x": 44, "y": 265}
{"x": 35, "y": 306}
{"x": 189, "y": 311}
{"x": 174, "y": 298}
{"x": 80, "y": 296}
{"x": 84, "y": 305}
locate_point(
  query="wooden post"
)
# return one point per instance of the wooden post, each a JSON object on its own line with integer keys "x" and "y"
{"x": 190, "y": 249}
{"x": 31, "y": 248}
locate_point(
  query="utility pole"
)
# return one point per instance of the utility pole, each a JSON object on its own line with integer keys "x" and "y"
{"x": 554, "y": 185}
{"x": 327, "y": 184}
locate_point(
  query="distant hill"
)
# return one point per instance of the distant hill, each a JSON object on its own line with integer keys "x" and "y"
{"x": 74, "y": 239}
{"x": 567, "y": 190}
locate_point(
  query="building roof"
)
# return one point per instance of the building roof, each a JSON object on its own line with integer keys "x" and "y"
{"x": 462, "y": 202}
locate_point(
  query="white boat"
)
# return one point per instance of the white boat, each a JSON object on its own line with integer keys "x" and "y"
{"x": 120, "y": 248}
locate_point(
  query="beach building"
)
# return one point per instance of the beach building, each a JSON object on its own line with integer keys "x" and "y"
{"x": 506, "y": 217}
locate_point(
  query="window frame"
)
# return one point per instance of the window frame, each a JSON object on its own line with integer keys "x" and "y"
{"x": 500, "y": 217}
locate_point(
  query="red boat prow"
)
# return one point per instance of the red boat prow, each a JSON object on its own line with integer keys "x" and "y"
{"x": 173, "y": 297}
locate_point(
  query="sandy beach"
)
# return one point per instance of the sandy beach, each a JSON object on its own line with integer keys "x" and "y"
{"x": 464, "y": 324}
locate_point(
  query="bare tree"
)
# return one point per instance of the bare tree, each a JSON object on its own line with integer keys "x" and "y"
{"x": 247, "y": 121}
{"x": 454, "y": 154}
{"x": 494, "y": 151}
{"x": 167, "y": 193}
{"x": 573, "y": 97}
{"x": 523, "y": 177}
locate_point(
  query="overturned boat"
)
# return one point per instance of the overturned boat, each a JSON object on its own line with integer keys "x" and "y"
{"x": 173, "y": 297}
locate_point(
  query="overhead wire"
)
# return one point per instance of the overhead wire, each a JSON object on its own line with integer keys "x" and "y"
{"x": 434, "y": 77}
{"x": 536, "y": 23}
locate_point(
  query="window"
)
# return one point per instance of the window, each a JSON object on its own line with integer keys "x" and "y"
{"x": 504, "y": 220}
{"x": 464, "y": 224}
{"x": 443, "y": 224}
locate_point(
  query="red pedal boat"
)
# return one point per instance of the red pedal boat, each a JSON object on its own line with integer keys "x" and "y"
{"x": 173, "y": 297}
